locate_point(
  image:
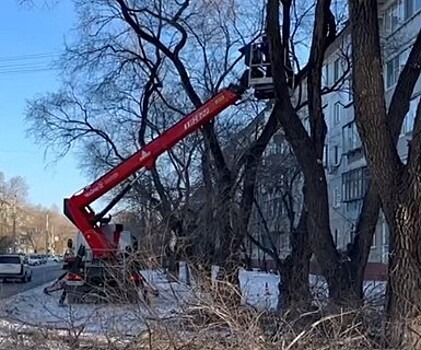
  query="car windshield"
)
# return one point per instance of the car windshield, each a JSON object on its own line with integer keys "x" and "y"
{"x": 9, "y": 260}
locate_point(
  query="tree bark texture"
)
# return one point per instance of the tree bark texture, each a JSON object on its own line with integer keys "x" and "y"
{"x": 294, "y": 288}
{"x": 400, "y": 184}
{"x": 361, "y": 246}
{"x": 367, "y": 221}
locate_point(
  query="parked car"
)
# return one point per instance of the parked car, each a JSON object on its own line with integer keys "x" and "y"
{"x": 57, "y": 258}
{"x": 53, "y": 258}
{"x": 34, "y": 260}
{"x": 43, "y": 258}
{"x": 13, "y": 267}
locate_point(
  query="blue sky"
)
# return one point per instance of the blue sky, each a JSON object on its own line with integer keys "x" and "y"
{"x": 29, "y": 38}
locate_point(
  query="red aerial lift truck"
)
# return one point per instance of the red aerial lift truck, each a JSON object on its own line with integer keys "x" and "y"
{"x": 106, "y": 271}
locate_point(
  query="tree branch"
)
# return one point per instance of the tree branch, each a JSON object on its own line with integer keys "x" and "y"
{"x": 194, "y": 97}
{"x": 399, "y": 104}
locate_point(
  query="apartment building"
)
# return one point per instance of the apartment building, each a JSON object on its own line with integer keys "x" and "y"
{"x": 346, "y": 169}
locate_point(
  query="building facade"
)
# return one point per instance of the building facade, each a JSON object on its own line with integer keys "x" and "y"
{"x": 346, "y": 168}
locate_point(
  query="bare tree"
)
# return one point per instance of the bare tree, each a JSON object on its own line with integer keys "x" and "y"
{"x": 344, "y": 277}
{"x": 13, "y": 195}
{"x": 184, "y": 59}
{"x": 282, "y": 217}
{"x": 379, "y": 128}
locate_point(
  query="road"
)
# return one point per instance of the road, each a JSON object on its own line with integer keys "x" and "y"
{"x": 40, "y": 275}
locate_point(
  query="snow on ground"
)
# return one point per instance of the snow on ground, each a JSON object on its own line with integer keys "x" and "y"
{"x": 260, "y": 289}
{"x": 34, "y": 308}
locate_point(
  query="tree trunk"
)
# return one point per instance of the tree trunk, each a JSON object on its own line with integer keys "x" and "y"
{"x": 360, "y": 249}
{"x": 309, "y": 149}
{"x": 173, "y": 266}
{"x": 404, "y": 283}
{"x": 400, "y": 193}
{"x": 294, "y": 291}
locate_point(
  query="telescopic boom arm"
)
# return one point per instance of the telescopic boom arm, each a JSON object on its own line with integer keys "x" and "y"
{"x": 77, "y": 209}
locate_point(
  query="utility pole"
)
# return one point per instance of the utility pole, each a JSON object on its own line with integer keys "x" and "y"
{"x": 14, "y": 223}
{"x": 53, "y": 240}
{"x": 47, "y": 237}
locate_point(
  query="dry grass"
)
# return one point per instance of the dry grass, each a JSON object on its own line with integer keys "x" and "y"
{"x": 210, "y": 321}
{"x": 242, "y": 330}
{"x": 209, "y": 325}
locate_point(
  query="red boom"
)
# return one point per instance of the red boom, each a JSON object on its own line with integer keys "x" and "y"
{"x": 77, "y": 207}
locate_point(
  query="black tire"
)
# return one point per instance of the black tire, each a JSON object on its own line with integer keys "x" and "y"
{"x": 24, "y": 279}
{"x": 30, "y": 278}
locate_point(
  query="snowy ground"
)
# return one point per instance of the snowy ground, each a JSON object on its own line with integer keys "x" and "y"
{"x": 35, "y": 309}
{"x": 260, "y": 289}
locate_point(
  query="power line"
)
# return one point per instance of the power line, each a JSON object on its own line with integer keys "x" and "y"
{"x": 34, "y": 70}
{"x": 27, "y": 64}
{"x": 30, "y": 56}
{"x": 23, "y": 65}
{"x": 17, "y": 151}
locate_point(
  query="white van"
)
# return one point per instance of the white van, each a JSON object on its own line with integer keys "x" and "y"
{"x": 14, "y": 267}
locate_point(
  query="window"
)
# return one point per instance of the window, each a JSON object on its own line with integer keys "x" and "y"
{"x": 325, "y": 155}
{"x": 337, "y": 113}
{"x": 326, "y": 74}
{"x": 350, "y": 92}
{"x": 395, "y": 66}
{"x": 385, "y": 233}
{"x": 272, "y": 148}
{"x": 335, "y": 155}
{"x": 350, "y": 138}
{"x": 354, "y": 206}
{"x": 354, "y": 184}
{"x": 336, "y": 237}
{"x": 403, "y": 57}
{"x": 392, "y": 71}
{"x": 336, "y": 197}
{"x": 336, "y": 70}
{"x": 408, "y": 122}
{"x": 394, "y": 15}
{"x": 387, "y": 22}
{"x": 409, "y": 8}
{"x": 373, "y": 244}
{"x": 12, "y": 259}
